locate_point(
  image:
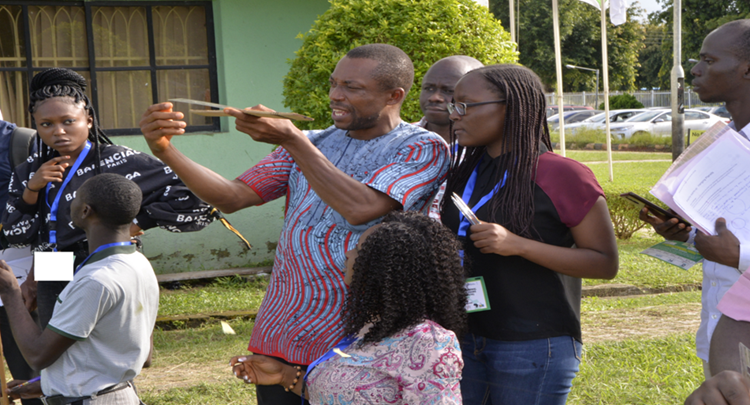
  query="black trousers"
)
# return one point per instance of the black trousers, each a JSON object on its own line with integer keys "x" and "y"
{"x": 19, "y": 369}
{"x": 275, "y": 394}
{"x": 46, "y": 296}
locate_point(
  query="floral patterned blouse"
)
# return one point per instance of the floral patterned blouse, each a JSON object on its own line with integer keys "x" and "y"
{"x": 421, "y": 365}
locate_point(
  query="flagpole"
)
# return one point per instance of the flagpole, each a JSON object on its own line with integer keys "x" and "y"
{"x": 605, "y": 68}
{"x": 558, "y": 69}
{"x": 512, "y": 18}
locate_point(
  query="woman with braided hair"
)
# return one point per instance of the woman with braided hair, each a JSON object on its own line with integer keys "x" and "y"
{"x": 544, "y": 225}
{"x": 71, "y": 148}
{"x": 404, "y": 309}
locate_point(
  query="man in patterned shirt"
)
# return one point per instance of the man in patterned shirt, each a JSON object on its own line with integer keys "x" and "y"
{"x": 338, "y": 182}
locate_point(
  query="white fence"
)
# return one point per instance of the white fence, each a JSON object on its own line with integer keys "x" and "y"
{"x": 647, "y": 98}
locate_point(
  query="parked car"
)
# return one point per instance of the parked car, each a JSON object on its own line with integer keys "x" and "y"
{"x": 597, "y": 121}
{"x": 570, "y": 116}
{"x": 659, "y": 122}
{"x": 552, "y": 109}
{"x": 719, "y": 110}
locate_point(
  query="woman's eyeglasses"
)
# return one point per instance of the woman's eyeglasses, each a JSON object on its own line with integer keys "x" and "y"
{"x": 460, "y": 108}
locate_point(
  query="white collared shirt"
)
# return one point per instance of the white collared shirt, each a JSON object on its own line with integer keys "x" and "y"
{"x": 717, "y": 280}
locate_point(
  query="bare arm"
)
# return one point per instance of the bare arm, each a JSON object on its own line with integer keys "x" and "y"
{"x": 39, "y": 348}
{"x": 355, "y": 201}
{"x": 595, "y": 257}
{"x": 724, "y": 353}
{"x": 159, "y": 124}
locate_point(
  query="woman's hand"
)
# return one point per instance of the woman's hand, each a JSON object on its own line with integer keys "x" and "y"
{"x": 494, "y": 238}
{"x": 259, "y": 369}
{"x": 50, "y": 171}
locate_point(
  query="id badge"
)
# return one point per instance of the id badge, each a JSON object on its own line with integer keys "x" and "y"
{"x": 53, "y": 266}
{"x": 477, "y": 295}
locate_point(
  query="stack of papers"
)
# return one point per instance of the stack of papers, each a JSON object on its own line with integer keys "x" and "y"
{"x": 711, "y": 180}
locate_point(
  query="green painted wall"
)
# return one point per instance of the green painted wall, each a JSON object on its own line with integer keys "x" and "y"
{"x": 253, "y": 39}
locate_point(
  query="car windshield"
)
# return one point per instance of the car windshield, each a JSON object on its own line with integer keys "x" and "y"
{"x": 647, "y": 116}
{"x": 596, "y": 118}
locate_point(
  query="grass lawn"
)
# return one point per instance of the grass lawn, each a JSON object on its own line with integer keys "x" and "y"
{"x": 601, "y": 156}
{"x": 650, "y": 371}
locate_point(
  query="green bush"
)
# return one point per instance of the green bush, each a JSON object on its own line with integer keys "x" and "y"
{"x": 636, "y": 177}
{"x": 427, "y": 30}
{"x": 622, "y": 101}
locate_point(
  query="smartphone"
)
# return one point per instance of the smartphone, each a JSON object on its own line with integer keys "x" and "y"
{"x": 654, "y": 209}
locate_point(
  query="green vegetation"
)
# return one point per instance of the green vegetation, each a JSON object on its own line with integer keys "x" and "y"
{"x": 601, "y": 156}
{"x": 622, "y": 101}
{"x": 426, "y": 30}
{"x": 637, "y": 177}
{"x": 658, "y": 371}
{"x": 585, "y": 136}
{"x": 224, "y": 294}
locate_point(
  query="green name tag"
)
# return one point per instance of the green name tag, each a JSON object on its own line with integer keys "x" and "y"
{"x": 477, "y": 291}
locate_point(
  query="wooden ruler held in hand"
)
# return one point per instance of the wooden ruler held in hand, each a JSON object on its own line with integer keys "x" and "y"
{"x": 255, "y": 113}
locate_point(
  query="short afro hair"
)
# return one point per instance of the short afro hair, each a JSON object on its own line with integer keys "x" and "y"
{"x": 742, "y": 45}
{"x": 394, "y": 65}
{"x": 115, "y": 199}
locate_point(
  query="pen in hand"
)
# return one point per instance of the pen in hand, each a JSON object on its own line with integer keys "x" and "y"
{"x": 18, "y": 387}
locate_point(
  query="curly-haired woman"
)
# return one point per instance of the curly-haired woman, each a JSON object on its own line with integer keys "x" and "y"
{"x": 534, "y": 207}
{"x": 404, "y": 308}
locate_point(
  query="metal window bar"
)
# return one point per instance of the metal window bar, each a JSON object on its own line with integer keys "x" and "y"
{"x": 30, "y": 69}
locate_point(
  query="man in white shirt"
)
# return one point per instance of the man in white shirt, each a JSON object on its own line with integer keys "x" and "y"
{"x": 721, "y": 75}
{"x": 99, "y": 336}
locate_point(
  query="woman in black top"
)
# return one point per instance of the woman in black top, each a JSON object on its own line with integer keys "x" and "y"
{"x": 535, "y": 206}
{"x": 71, "y": 149}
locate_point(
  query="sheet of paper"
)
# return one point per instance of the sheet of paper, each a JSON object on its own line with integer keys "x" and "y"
{"x": 53, "y": 266}
{"x": 718, "y": 185}
{"x": 676, "y": 253}
{"x": 477, "y": 300}
{"x": 19, "y": 260}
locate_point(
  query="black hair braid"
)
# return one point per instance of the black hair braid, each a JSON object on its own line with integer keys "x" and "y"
{"x": 408, "y": 270}
{"x": 524, "y": 132}
{"x": 60, "y": 82}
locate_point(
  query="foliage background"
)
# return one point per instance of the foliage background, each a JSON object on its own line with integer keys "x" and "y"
{"x": 699, "y": 18}
{"x": 427, "y": 30}
{"x": 581, "y": 43}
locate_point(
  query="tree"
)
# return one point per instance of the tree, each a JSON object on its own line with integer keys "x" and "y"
{"x": 427, "y": 30}
{"x": 699, "y": 18}
{"x": 650, "y": 58}
{"x": 580, "y": 37}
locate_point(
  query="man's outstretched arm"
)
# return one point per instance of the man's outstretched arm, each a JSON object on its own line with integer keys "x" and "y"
{"x": 355, "y": 201}
{"x": 159, "y": 124}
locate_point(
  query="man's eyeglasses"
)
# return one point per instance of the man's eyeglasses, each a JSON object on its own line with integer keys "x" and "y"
{"x": 460, "y": 108}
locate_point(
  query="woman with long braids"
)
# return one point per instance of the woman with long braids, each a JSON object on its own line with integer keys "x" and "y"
{"x": 71, "y": 149}
{"x": 544, "y": 225}
{"x": 404, "y": 309}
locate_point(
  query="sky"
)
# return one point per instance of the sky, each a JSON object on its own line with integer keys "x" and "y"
{"x": 649, "y": 5}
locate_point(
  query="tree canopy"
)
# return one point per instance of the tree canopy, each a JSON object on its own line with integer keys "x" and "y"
{"x": 580, "y": 37}
{"x": 427, "y": 30}
{"x": 699, "y": 18}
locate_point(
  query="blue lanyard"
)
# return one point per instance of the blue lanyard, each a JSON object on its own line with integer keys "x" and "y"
{"x": 56, "y": 203}
{"x": 343, "y": 344}
{"x": 99, "y": 249}
{"x": 469, "y": 190}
